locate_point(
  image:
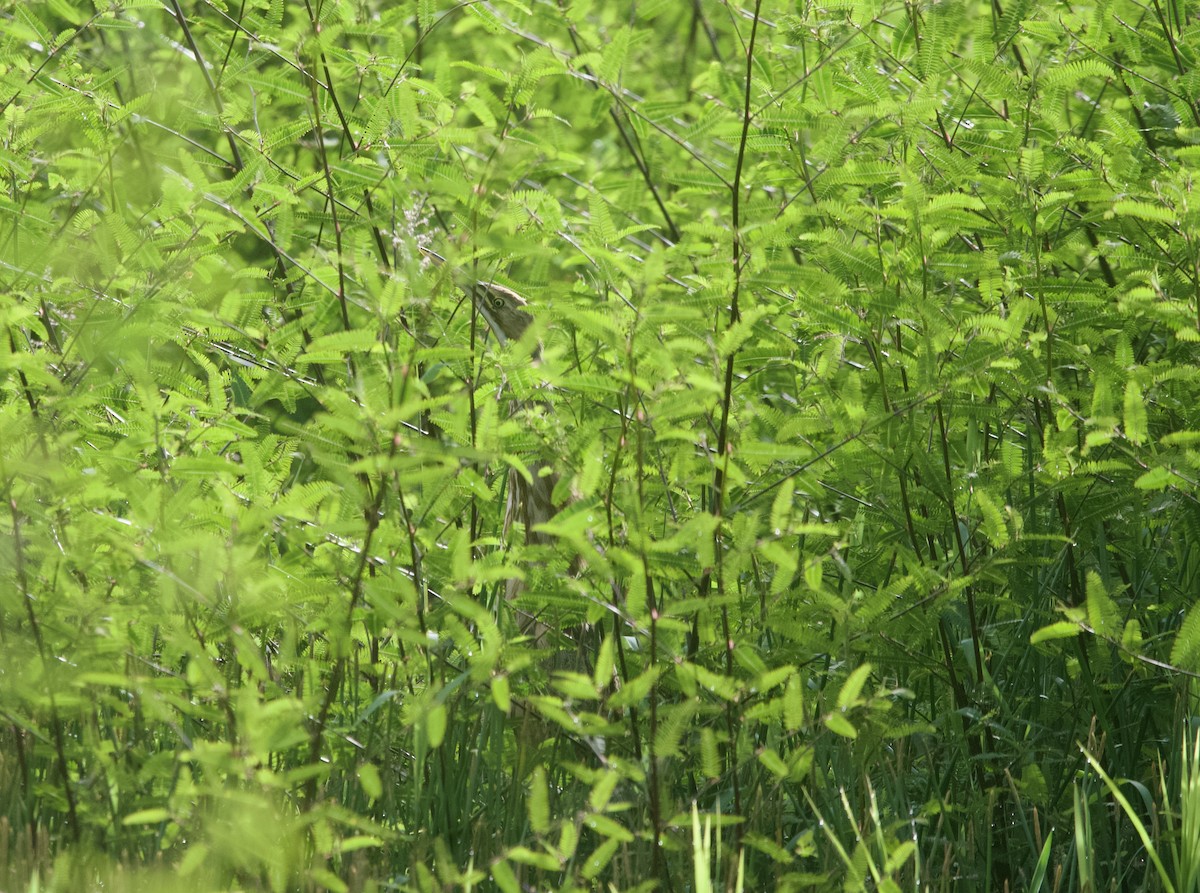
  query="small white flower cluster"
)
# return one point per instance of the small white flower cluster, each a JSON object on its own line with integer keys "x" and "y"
{"x": 414, "y": 232}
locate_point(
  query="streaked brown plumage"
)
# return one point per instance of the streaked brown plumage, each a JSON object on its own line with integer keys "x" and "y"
{"x": 504, "y": 310}
{"x": 529, "y": 501}
{"x": 507, "y": 315}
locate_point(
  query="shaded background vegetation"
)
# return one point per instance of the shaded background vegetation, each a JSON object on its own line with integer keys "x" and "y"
{"x": 862, "y": 374}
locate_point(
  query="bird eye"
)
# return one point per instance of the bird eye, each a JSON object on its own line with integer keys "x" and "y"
{"x": 497, "y": 302}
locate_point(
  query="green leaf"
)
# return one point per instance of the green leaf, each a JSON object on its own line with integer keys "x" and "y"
{"x": 1156, "y": 478}
{"x": 538, "y": 802}
{"x": 774, "y": 763}
{"x": 599, "y": 858}
{"x": 525, "y": 856}
{"x": 602, "y": 790}
{"x": 1062, "y": 629}
{"x": 504, "y": 877}
{"x": 609, "y": 828}
{"x": 1103, "y": 615}
{"x": 710, "y": 762}
{"x": 1131, "y": 639}
{"x": 435, "y": 725}
{"x": 1144, "y": 211}
{"x": 994, "y": 526}
{"x": 501, "y": 694}
{"x": 794, "y": 716}
{"x": 152, "y": 816}
{"x": 852, "y": 687}
{"x": 358, "y": 842}
{"x": 840, "y": 725}
{"x": 372, "y": 784}
{"x": 329, "y": 880}
{"x": 1135, "y": 414}
{"x": 1185, "y": 650}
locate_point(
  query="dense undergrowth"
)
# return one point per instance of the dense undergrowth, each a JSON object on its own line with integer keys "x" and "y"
{"x": 861, "y": 395}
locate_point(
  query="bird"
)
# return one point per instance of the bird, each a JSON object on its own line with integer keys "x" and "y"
{"x": 532, "y": 502}
{"x": 529, "y": 501}
{"x": 506, "y": 312}
{"x": 507, "y": 315}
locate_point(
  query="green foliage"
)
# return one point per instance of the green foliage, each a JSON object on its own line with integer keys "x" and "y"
{"x": 842, "y": 485}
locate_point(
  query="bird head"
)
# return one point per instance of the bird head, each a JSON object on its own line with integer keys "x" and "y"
{"x": 504, "y": 310}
